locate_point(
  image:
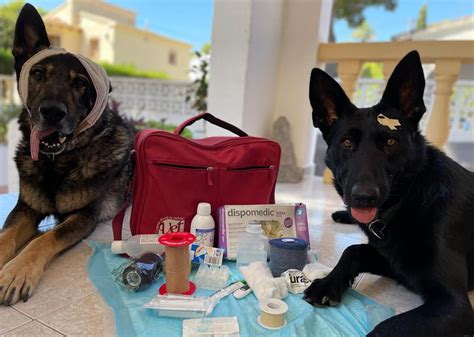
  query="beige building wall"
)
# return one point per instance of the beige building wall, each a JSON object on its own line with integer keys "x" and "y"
{"x": 98, "y": 37}
{"x": 63, "y": 13}
{"x": 149, "y": 51}
{"x": 68, "y": 11}
{"x": 104, "y": 32}
{"x": 70, "y": 38}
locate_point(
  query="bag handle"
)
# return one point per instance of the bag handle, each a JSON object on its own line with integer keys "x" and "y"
{"x": 213, "y": 120}
{"x": 117, "y": 221}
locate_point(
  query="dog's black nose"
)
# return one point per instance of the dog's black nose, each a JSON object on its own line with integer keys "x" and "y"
{"x": 52, "y": 111}
{"x": 365, "y": 195}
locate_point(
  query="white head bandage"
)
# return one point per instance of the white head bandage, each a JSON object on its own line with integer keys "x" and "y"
{"x": 99, "y": 78}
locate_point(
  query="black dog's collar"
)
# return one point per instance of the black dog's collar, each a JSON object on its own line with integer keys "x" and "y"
{"x": 377, "y": 228}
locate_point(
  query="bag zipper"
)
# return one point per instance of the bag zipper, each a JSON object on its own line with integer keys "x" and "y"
{"x": 189, "y": 167}
{"x": 209, "y": 169}
{"x": 248, "y": 168}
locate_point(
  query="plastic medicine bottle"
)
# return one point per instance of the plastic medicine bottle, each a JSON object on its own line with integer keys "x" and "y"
{"x": 138, "y": 244}
{"x": 252, "y": 245}
{"x": 203, "y": 226}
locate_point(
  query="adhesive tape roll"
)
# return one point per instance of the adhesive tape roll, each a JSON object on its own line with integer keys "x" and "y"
{"x": 272, "y": 313}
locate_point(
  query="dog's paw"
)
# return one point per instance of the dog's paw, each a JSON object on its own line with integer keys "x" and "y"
{"x": 326, "y": 292}
{"x": 342, "y": 217}
{"x": 18, "y": 280}
{"x": 7, "y": 251}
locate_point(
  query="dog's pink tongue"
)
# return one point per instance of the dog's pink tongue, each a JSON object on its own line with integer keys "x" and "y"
{"x": 364, "y": 215}
{"x": 35, "y": 138}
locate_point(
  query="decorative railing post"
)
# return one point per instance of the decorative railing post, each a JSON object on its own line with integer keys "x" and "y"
{"x": 7, "y": 89}
{"x": 10, "y": 90}
{"x": 446, "y": 74}
{"x": 349, "y": 73}
{"x": 387, "y": 70}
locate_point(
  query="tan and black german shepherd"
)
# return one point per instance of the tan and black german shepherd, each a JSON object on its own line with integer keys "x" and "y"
{"x": 80, "y": 179}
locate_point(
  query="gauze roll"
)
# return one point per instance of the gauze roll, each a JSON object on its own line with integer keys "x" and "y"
{"x": 261, "y": 281}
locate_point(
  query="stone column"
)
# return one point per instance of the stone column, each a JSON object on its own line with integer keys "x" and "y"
{"x": 446, "y": 74}
{"x": 262, "y": 55}
{"x": 245, "y": 53}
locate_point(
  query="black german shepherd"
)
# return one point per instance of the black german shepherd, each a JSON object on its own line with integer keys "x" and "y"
{"x": 414, "y": 203}
{"x": 81, "y": 179}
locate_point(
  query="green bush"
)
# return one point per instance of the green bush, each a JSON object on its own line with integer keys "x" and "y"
{"x": 6, "y": 62}
{"x": 166, "y": 127}
{"x": 129, "y": 70}
{"x": 6, "y": 115}
{"x": 372, "y": 70}
{"x": 140, "y": 123}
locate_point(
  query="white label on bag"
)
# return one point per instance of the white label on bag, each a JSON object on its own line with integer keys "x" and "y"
{"x": 169, "y": 224}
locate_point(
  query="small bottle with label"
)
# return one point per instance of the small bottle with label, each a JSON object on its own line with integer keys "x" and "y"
{"x": 138, "y": 244}
{"x": 203, "y": 226}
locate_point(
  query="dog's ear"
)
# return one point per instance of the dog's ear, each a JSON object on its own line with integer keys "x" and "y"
{"x": 30, "y": 35}
{"x": 328, "y": 100}
{"x": 404, "y": 90}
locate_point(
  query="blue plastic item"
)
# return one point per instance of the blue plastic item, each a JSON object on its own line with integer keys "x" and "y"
{"x": 356, "y": 316}
{"x": 287, "y": 253}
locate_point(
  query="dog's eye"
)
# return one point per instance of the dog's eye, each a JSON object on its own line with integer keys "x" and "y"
{"x": 79, "y": 82}
{"x": 391, "y": 142}
{"x": 346, "y": 142}
{"x": 37, "y": 74}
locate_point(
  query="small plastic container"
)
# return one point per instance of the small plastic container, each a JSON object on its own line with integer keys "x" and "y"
{"x": 211, "y": 277}
{"x": 138, "y": 244}
{"x": 252, "y": 246}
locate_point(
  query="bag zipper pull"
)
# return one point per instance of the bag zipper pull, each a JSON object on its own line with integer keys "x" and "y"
{"x": 209, "y": 176}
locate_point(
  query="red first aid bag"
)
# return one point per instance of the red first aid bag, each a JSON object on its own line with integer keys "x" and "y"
{"x": 174, "y": 174}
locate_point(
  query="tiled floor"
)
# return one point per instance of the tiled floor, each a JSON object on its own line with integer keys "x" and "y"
{"x": 66, "y": 303}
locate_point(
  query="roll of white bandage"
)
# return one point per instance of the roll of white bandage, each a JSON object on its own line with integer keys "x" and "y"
{"x": 261, "y": 281}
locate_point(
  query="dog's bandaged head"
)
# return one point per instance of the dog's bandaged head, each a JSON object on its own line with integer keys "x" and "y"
{"x": 99, "y": 79}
